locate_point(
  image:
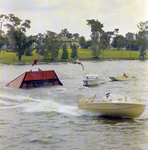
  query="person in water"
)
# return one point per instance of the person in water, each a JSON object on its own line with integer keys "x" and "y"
{"x": 124, "y": 75}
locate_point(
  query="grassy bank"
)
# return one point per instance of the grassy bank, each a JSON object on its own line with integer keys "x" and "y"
{"x": 108, "y": 54}
{"x": 85, "y": 54}
{"x": 11, "y": 58}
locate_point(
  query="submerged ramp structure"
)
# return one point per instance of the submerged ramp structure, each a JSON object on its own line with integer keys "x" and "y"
{"x": 35, "y": 79}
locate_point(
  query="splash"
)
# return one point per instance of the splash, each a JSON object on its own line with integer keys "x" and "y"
{"x": 13, "y": 97}
{"x": 31, "y": 105}
{"x": 50, "y": 106}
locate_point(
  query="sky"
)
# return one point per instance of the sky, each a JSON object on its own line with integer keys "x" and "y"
{"x": 56, "y": 15}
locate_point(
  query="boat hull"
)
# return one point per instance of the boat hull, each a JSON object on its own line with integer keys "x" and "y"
{"x": 118, "y": 109}
{"x": 122, "y": 78}
{"x": 90, "y": 82}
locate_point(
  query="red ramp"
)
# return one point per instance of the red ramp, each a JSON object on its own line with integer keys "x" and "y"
{"x": 35, "y": 79}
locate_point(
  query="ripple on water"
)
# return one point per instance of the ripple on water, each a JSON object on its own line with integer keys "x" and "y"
{"x": 48, "y": 117}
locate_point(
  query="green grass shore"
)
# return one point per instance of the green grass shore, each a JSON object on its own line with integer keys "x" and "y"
{"x": 84, "y": 54}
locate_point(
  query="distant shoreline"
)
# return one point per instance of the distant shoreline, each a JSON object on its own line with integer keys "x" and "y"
{"x": 83, "y": 55}
{"x": 68, "y": 61}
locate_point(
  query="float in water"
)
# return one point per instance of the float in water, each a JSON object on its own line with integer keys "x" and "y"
{"x": 35, "y": 79}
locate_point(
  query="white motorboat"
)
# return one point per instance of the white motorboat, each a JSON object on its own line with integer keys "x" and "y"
{"x": 92, "y": 79}
{"x": 120, "y": 107}
{"x": 122, "y": 78}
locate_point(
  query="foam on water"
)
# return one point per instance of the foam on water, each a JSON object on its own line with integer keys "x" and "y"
{"x": 37, "y": 105}
{"x": 10, "y": 107}
{"x": 50, "y": 106}
{"x": 30, "y": 104}
{"x": 15, "y": 97}
{"x": 3, "y": 102}
{"x": 8, "y": 101}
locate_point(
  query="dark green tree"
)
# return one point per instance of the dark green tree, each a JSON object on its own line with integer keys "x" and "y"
{"x": 3, "y": 41}
{"x": 74, "y": 51}
{"x": 135, "y": 45}
{"x": 31, "y": 40}
{"x": 65, "y": 52}
{"x": 53, "y": 53}
{"x": 97, "y": 31}
{"x": 29, "y": 51}
{"x": 118, "y": 41}
{"x": 21, "y": 43}
{"x": 130, "y": 44}
{"x": 17, "y": 31}
{"x": 70, "y": 35}
{"x": 76, "y": 36}
{"x": 103, "y": 44}
{"x": 53, "y": 43}
{"x": 143, "y": 38}
{"x": 47, "y": 55}
{"x": 3, "y": 17}
{"x": 105, "y": 37}
{"x": 116, "y": 31}
{"x": 121, "y": 42}
{"x": 82, "y": 41}
{"x": 39, "y": 44}
{"x": 143, "y": 49}
{"x": 88, "y": 44}
{"x": 66, "y": 33}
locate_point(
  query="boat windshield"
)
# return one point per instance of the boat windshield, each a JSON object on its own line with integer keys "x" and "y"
{"x": 91, "y": 77}
{"x": 114, "y": 97}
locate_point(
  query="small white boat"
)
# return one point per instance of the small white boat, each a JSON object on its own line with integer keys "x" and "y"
{"x": 116, "y": 108}
{"x": 92, "y": 79}
{"x": 122, "y": 78}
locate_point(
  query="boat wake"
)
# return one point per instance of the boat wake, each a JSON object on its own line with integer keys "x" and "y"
{"x": 36, "y": 105}
{"x": 50, "y": 106}
{"x": 8, "y": 101}
{"x": 31, "y": 105}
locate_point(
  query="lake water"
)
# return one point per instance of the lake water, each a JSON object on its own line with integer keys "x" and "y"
{"x": 48, "y": 117}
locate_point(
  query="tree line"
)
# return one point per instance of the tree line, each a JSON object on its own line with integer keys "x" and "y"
{"x": 49, "y": 44}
